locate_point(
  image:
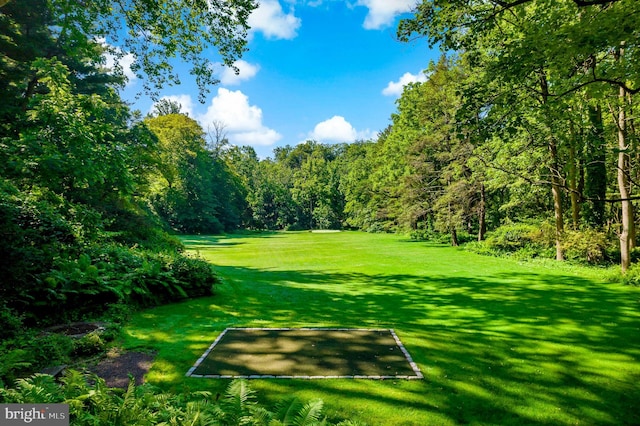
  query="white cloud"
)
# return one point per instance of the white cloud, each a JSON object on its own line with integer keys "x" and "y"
{"x": 115, "y": 58}
{"x": 228, "y": 77}
{"x": 335, "y": 129}
{"x": 338, "y": 129}
{"x": 394, "y": 88}
{"x": 242, "y": 121}
{"x": 367, "y": 135}
{"x": 382, "y": 12}
{"x": 261, "y": 137}
{"x": 270, "y": 19}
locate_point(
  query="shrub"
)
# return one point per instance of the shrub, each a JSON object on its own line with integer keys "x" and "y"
{"x": 195, "y": 275}
{"x": 13, "y": 363}
{"x": 136, "y": 225}
{"x": 514, "y": 236}
{"x": 423, "y": 234}
{"x": 586, "y": 245}
{"x": 89, "y": 344}
{"x": 112, "y": 274}
{"x": 10, "y": 322}
{"x": 481, "y": 247}
{"x": 31, "y": 352}
{"x": 632, "y": 276}
{"x": 377, "y": 228}
{"x": 522, "y": 240}
{"x": 51, "y": 349}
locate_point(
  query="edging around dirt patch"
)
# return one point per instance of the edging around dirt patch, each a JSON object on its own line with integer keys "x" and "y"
{"x": 307, "y": 354}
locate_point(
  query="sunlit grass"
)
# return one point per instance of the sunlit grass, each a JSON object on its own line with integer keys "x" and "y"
{"x": 499, "y": 342}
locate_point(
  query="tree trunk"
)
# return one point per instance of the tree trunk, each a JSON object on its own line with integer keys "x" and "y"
{"x": 482, "y": 224}
{"x": 630, "y": 135}
{"x": 454, "y": 237}
{"x": 623, "y": 186}
{"x": 556, "y": 184}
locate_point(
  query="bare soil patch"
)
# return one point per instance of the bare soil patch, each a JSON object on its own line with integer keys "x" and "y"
{"x": 306, "y": 353}
{"x": 117, "y": 368}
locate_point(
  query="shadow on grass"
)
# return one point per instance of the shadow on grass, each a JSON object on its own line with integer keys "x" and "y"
{"x": 510, "y": 348}
{"x": 198, "y": 242}
{"x": 305, "y": 353}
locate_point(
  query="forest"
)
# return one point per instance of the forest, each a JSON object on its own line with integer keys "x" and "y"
{"x": 521, "y": 142}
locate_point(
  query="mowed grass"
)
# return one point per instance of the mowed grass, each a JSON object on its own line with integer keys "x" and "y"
{"x": 498, "y": 341}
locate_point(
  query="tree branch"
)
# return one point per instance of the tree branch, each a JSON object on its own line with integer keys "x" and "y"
{"x": 579, "y": 3}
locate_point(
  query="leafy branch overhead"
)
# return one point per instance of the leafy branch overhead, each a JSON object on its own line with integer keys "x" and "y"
{"x": 576, "y": 39}
{"x": 156, "y": 32}
{"x": 580, "y": 3}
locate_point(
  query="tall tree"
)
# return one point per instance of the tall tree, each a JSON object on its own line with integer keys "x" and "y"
{"x": 550, "y": 49}
{"x": 29, "y": 32}
{"x": 73, "y": 144}
{"x": 354, "y": 169}
{"x": 426, "y": 153}
{"x": 183, "y": 192}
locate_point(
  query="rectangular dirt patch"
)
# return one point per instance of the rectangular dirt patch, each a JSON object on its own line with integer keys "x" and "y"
{"x": 306, "y": 353}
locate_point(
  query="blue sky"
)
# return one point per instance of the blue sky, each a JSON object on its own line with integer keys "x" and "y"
{"x": 325, "y": 70}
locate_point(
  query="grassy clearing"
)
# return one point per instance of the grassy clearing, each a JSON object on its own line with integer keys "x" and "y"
{"x": 499, "y": 342}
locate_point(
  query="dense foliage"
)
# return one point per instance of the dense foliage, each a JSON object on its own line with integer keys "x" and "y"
{"x": 83, "y": 213}
{"x": 522, "y": 137}
{"x": 91, "y": 402}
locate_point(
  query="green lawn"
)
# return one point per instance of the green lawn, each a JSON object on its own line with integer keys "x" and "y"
{"x": 498, "y": 341}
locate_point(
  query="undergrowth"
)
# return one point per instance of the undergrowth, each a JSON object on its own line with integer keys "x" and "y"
{"x": 91, "y": 402}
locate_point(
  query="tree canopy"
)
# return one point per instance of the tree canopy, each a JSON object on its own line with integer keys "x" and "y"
{"x": 153, "y": 33}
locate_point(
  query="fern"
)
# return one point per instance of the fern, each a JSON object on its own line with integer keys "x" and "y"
{"x": 39, "y": 388}
{"x": 310, "y": 414}
{"x": 91, "y": 402}
{"x": 261, "y": 416}
{"x": 11, "y": 361}
{"x": 238, "y": 401}
{"x": 286, "y": 411}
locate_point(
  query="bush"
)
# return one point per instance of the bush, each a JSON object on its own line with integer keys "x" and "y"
{"x": 377, "y": 228}
{"x": 89, "y": 344}
{"x": 10, "y": 322}
{"x": 13, "y": 363}
{"x": 586, "y": 245}
{"x": 522, "y": 240}
{"x": 51, "y": 349}
{"x": 515, "y": 236}
{"x": 632, "y": 276}
{"x": 442, "y": 237}
{"x": 32, "y": 352}
{"x": 481, "y": 247}
{"x": 34, "y": 232}
{"x": 112, "y": 274}
{"x": 194, "y": 275}
{"x": 527, "y": 240}
{"x": 136, "y": 226}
